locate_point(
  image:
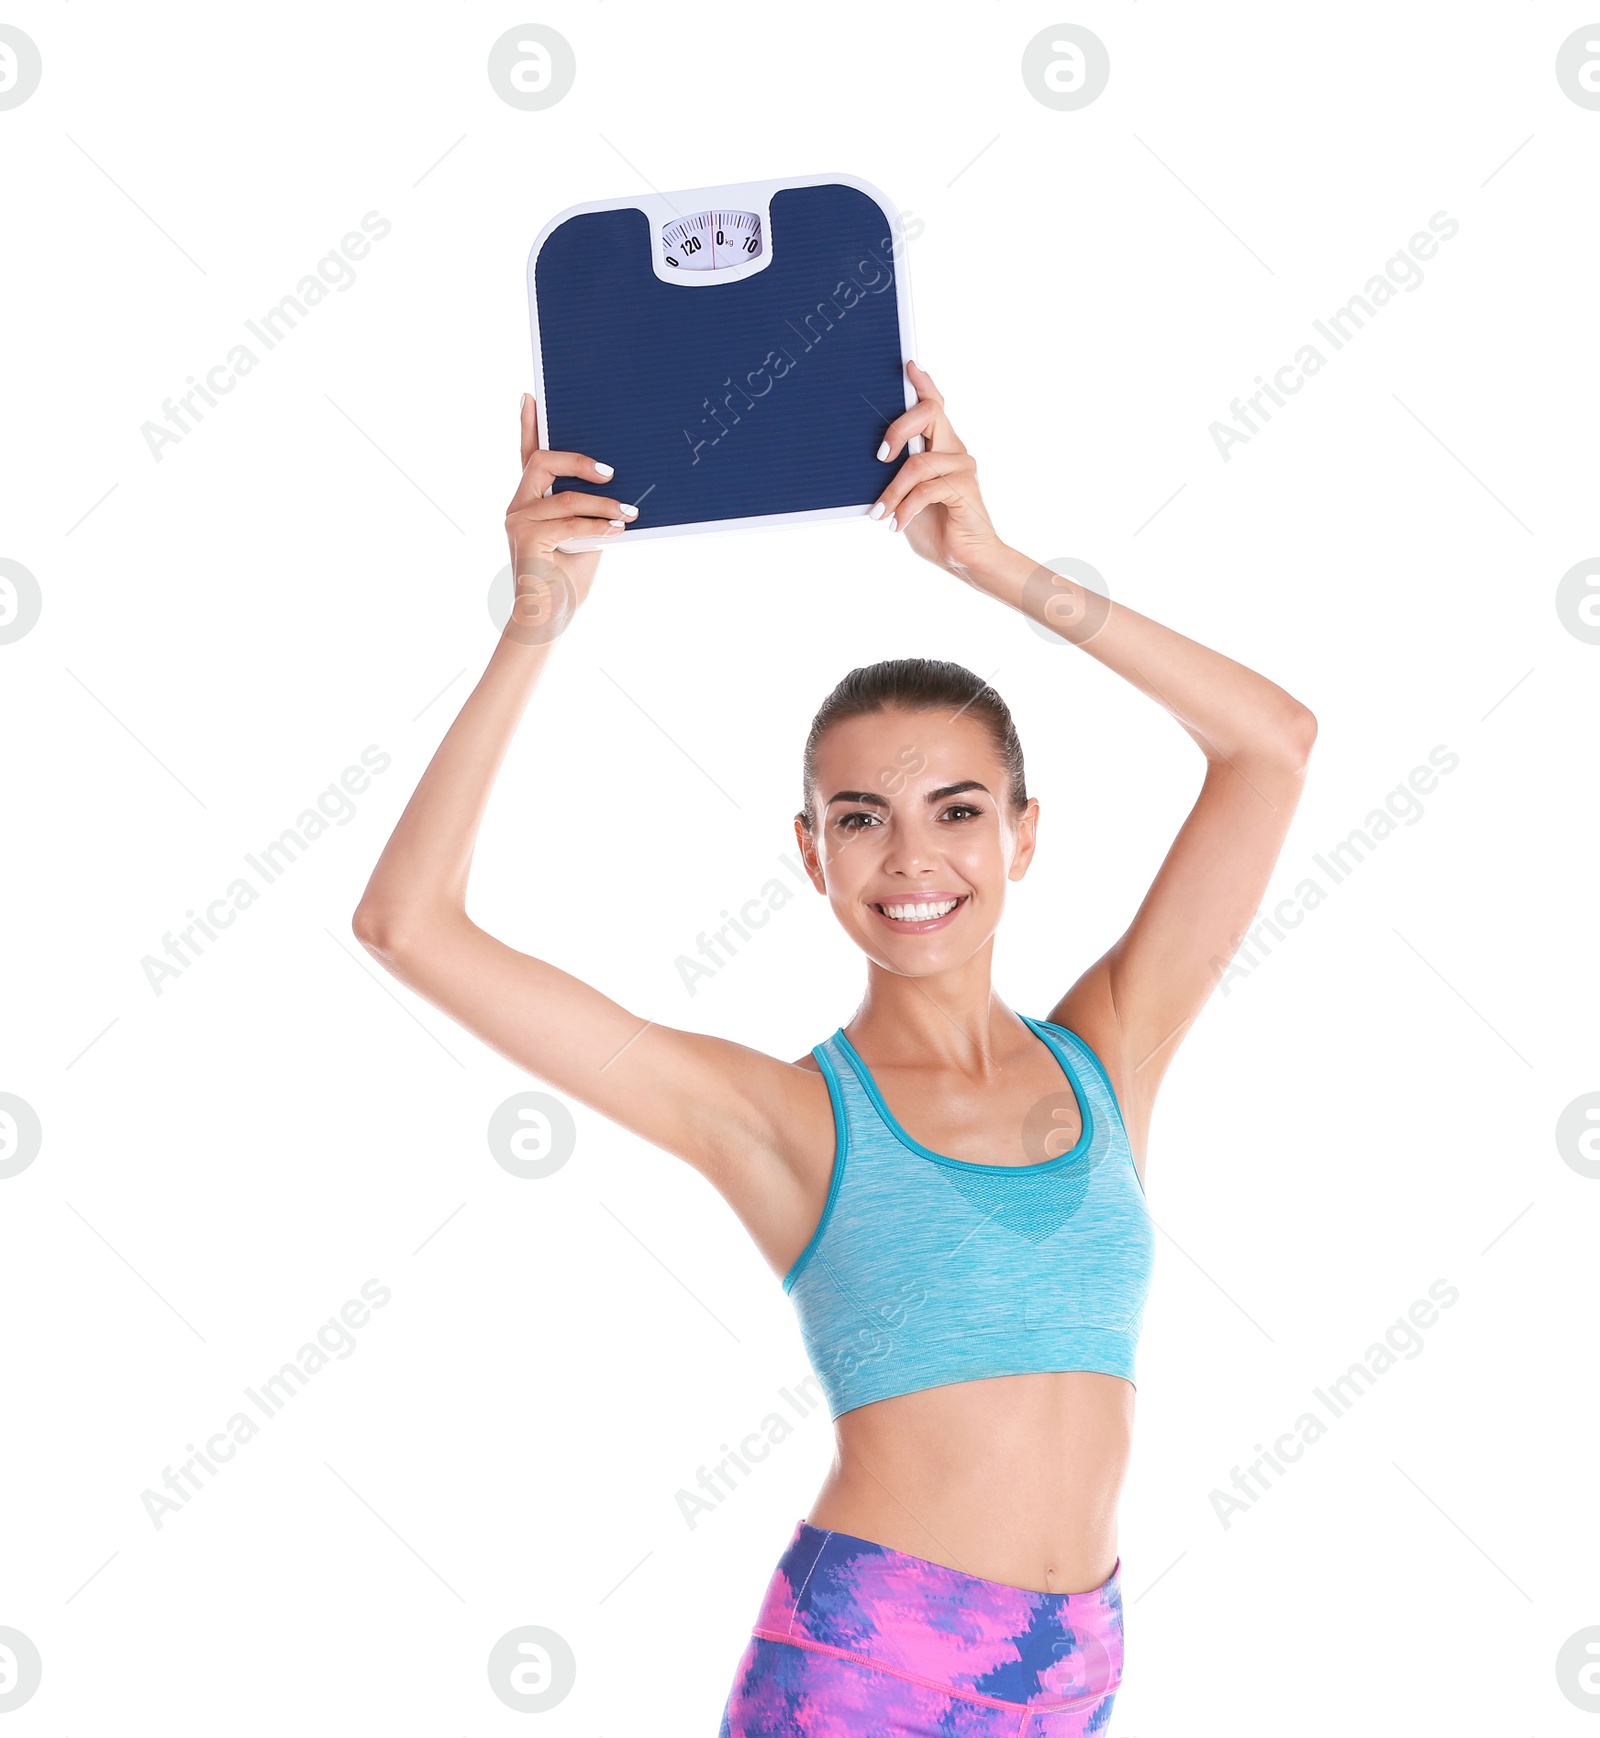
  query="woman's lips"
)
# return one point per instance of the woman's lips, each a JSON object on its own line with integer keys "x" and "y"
{"x": 918, "y": 926}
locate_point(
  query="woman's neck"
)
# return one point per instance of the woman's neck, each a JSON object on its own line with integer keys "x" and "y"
{"x": 954, "y": 1017}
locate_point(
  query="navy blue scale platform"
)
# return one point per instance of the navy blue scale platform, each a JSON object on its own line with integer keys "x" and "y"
{"x": 725, "y": 390}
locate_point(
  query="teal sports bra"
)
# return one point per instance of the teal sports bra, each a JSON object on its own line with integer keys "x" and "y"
{"x": 925, "y": 1270}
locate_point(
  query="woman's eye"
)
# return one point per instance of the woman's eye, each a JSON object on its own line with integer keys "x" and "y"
{"x": 854, "y": 823}
{"x": 961, "y": 812}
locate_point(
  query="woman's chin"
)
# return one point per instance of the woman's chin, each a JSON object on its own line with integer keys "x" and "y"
{"x": 919, "y": 956}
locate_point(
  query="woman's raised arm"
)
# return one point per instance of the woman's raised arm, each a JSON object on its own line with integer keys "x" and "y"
{"x": 718, "y": 1105}
{"x": 1135, "y": 1003}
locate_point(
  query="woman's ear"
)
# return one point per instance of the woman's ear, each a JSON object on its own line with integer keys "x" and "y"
{"x": 1027, "y": 826}
{"x": 808, "y": 853}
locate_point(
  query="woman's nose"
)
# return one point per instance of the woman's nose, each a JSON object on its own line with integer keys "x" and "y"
{"x": 910, "y": 849}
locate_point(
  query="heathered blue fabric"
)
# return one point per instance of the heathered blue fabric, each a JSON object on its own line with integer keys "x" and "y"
{"x": 925, "y": 1270}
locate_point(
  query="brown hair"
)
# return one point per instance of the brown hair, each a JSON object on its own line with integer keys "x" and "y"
{"x": 918, "y": 685}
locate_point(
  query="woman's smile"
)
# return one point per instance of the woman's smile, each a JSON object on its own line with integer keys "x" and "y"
{"x": 919, "y": 916}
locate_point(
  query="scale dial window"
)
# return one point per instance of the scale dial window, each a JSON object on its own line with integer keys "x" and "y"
{"x": 711, "y": 241}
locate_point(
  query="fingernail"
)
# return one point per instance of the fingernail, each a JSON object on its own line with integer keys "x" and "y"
{"x": 615, "y": 524}
{"x": 892, "y": 525}
{"x": 883, "y": 451}
{"x": 876, "y": 510}
{"x": 629, "y": 512}
{"x": 524, "y": 404}
{"x": 604, "y": 470}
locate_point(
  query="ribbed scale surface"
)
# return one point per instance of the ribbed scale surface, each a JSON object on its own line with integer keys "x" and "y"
{"x": 925, "y": 1270}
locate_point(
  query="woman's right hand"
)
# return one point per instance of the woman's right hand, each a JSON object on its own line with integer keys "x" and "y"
{"x": 548, "y": 584}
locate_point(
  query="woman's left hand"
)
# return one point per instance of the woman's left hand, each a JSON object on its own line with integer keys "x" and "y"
{"x": 934, "y": 496}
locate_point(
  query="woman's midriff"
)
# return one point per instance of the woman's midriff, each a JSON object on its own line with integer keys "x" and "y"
{"x": 1013, "y": 1479}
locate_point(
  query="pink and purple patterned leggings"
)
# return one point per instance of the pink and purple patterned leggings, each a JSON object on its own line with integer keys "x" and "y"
{"x": 854, "y": 1640}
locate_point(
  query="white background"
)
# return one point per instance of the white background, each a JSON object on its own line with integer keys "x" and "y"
{"x": 306, "y": 573}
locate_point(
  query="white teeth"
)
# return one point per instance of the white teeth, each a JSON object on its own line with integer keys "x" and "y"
{"x": 921, "y": 913}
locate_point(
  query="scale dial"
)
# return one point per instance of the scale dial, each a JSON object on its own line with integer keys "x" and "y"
{"x": 712, "y": 240}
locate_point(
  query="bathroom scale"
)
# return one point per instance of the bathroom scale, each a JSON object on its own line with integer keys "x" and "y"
{"x": 734, "y": 353}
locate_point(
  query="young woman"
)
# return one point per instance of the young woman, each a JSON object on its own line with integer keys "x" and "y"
{"x": 953, "y": 1192}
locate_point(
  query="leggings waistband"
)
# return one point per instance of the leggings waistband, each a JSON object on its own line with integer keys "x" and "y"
{"x": 982, "y": 1640}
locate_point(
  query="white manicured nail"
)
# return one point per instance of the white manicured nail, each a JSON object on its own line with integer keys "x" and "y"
{"x": 629, "y": 512}
{"x": 876, "y": 510}
{"x": 604, "y": 470}
{"x": 883, "y": 451}
{"x": 892, "y": 525}
{"x": 615, "y": 524}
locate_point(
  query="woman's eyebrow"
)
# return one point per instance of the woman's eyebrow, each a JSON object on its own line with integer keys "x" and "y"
{"x": 937, "y": 796}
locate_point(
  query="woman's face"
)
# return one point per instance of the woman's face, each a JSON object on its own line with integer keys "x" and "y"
{"x": 914, "y": 838}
